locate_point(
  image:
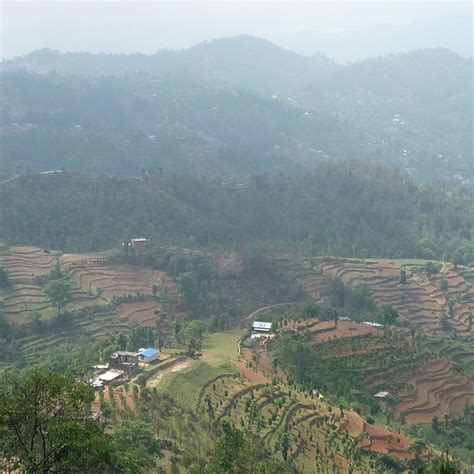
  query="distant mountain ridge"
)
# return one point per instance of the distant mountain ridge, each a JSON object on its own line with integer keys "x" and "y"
{"x": 237, "y": 106}
{"x": 357, "y": 45}
{"x": 241, "y": 61}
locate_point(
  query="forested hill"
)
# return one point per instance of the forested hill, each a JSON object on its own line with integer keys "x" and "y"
{"x": 341, "y": 208}
{"x": 122, "y": 126}
{"x": 243, "y": 61}
{"x": 236, "y": 106}
{"x": 421, "y": 100}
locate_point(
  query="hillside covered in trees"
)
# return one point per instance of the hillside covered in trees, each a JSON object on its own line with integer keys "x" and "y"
{"x": 236, "y": 259}
{"x": 236, "y": 106}
{"x": 341, "y": 208}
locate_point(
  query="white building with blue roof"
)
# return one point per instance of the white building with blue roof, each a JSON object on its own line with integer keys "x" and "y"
{"x": 148, "y": 355}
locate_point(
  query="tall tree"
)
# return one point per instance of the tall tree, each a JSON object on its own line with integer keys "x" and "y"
{"x": 44, "y": 425}
{"x": 59, "y": 293}
{"x": 3, "y": 278}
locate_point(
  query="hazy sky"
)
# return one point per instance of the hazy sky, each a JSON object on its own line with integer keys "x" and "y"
{"x": 112, "y": 26}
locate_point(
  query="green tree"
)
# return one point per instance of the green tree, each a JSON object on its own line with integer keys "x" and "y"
{"x": 34, "y": 319}
{"x": 417, "y": 446}
{"x": 230, "y": 452}
{"x": 236, "y": 452}
{"x": 59, "y": 293}
{"x": 56, "y": 272}
{"x": 285, "y": 445}
{"x": 389, "y": 314}
{"x": 444, "y": 464}
{"x": 140, "y": 445}
{"x": 195, "y": 330}
{"x": 177, "y": 326}
{"x": 443, "y": 321}
{"x": 310, "y": 309}
{"x": 189, "y": 288}
{"x": 4, "y": 323}
{"x": 44, "y": 425}
{"x": 141, "y": 380}
{"x": 403, "y": 277}
{"x": 432, "y": 268}
{"x": 435, "y": 424}
{"x": 140, "y": 336}
{"x": 4, "y": 278}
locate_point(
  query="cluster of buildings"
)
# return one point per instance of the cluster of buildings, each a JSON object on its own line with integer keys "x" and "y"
{"x": 122, "y": 365}
{"x": 260, "y": 329}
{"x": 138, "y": 245}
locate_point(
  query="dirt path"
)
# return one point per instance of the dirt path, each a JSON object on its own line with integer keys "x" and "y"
{"x": 249, "y": 374}
{"x": 156, "y": 379}
{"x": 266, "y": 308}
{"x": 10, "y": 179}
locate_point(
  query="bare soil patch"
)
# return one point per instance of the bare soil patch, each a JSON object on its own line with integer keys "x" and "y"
{"x": 156, "y": 379}
{"x": 326, "y": 330}
{"x": 249, "y": 374}
{"x": 438, "y": 390}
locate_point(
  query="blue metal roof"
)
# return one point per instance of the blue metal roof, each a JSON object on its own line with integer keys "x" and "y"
{"x": 150, "y": 352}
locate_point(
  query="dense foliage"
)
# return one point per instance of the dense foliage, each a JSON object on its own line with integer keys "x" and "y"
{"x": 455, "y": 433}
{"x": 348, "y": 377}
{"x": 45, "y": 427}
{"x": 413, "y": 113}
{"x": 342, "y": 209}
{"x": 236, "y": 452}
{"x": 236, "y": 106}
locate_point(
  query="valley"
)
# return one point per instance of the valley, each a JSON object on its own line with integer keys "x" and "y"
{"x": 233, "y": 258}
{"x": 249, "y": 384}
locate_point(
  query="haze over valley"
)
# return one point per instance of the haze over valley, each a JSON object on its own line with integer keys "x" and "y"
{"x": 236, "y": 238}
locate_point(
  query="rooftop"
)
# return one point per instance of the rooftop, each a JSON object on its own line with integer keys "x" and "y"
{"x": 111, "y": 374}
{"x": 261, "y": 325}
{"x": 150, "y": 352}
{"x": 124, "y": 353}
{"x": 374, "y": 325}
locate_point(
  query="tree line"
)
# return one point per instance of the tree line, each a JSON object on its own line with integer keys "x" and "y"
{"x": 342, "y": 208}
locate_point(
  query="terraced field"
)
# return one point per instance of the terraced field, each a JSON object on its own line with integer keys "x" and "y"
{"x": 438, "y": 389}
{"x": 24, "y": 298}
{"x": 92, "y": 258}
{"x": 318, "y": 436}
{"x": 26, "y": 268}
{"x": 98, "y": 322}
{"x": 326, "y": 330}
{"x": 420, "y": 299}
{"x": 424, "y": 384}
{"x": 122, "y": 399}
{"x": 140, "y": 312}
{"x": 26, "y": 264}
{"x": 117, "y": 280}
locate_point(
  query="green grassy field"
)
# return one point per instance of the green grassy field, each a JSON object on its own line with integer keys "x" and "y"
{"x": 185, "y": 386}
{"x": 218, "y": 349}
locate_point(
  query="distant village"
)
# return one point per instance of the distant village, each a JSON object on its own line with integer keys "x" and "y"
{"x": 122, "y": 365}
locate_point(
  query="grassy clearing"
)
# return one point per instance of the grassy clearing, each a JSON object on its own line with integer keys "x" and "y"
{"x": 218, "y": 350}
{"x": 221, "y": 347}
{"x": 184, "y": 386}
